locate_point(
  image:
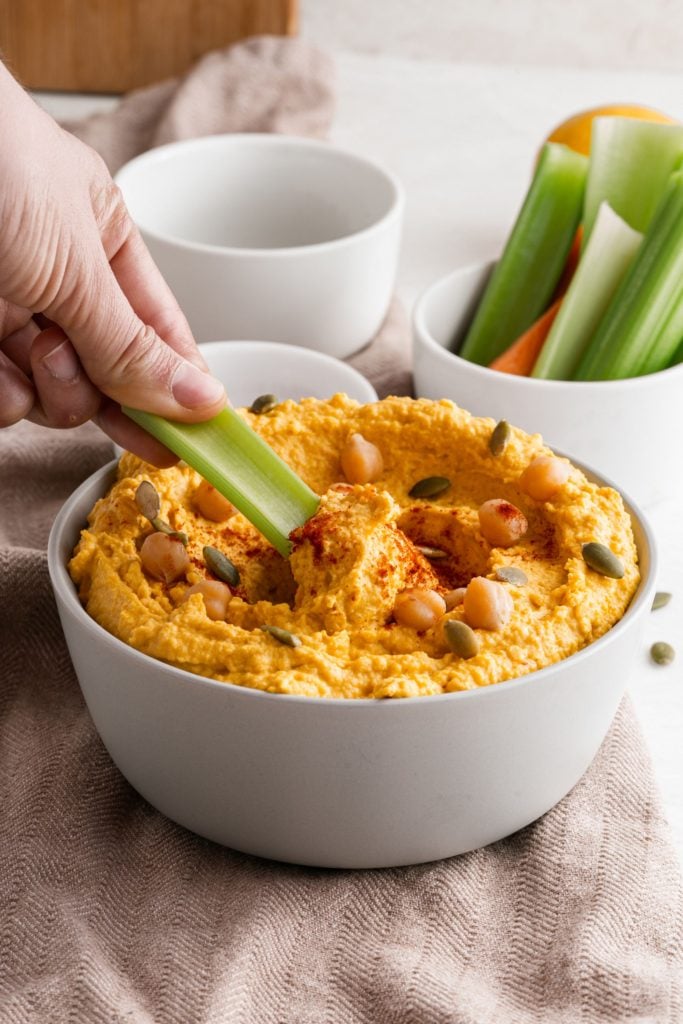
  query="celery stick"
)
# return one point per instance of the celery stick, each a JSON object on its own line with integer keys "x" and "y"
{"x": 629, "y": 167}
{"x": 239, "y": 464}
{"x": 525, "y": 277}
{"x": 641, "y": 330}
{"x": 601, "y": 268}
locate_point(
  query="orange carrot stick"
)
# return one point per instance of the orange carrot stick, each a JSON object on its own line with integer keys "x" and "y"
{"x": 520, "y": 357}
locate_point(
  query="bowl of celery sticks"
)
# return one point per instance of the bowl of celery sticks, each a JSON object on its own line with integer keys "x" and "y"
{"x": 576, "y": 332}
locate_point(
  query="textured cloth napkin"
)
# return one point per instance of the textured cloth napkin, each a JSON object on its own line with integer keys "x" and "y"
{"x": 109, "y": 913}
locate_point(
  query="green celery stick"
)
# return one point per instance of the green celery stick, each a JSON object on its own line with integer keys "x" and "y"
{"x": 642, "y": 328}
{"x": 629, "y": 167}
{"x": 601, "y": 269}
{"x": 239, "y": 464}
{"x": 522, "y": 283}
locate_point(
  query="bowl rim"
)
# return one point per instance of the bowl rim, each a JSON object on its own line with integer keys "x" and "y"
{"x": 162, "y": 153}
{"x": 65, "y": 589}
{"x": 266, "y": 346}
{"x": 423, "y": 336}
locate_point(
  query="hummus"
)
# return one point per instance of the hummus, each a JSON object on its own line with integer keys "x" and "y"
{"x": 361, "y": 549}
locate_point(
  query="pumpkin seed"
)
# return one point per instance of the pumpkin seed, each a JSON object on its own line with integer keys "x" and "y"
{"x": 147, "y": 500}
{"x": 221, "y": 566}
{"x": 161, "y": 527}
{"x": 500, "y": 435}
{"x": 283, "y": 636}
{"x": 430, "y": 487}
{"x": 661, "y": 600}
{"x": 462, "y": 640}
{"x": 263, "y": 404}
{"x": 601, "y": 559}
{"x": 511, "y": 574}
{"x": 433, "y": 554}
{"x": 662, "y": 653}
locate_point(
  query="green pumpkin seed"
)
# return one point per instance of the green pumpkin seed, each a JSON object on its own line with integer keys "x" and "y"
{"x": 602, "y": 560}
{"x": 161, "y": 527}
{"x": 500, "y": 435}
{"x": 662, "y": 653}
{"x": 433, "y": 554}
{"x": 661, "y": 600}
{"x": 283, "y": 636}
{"x": 263, "y": 404}
{"x": 147, "y": 500}
{"x": 221, "y": 566}
{"x": 462, "y": 640}
{"x": 511, "y": 574}
{"x": 430, "y": 487}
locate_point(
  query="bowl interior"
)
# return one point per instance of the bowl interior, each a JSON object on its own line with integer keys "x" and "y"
{"x": 255, "y": 192}
{"x": 252, "y": 368}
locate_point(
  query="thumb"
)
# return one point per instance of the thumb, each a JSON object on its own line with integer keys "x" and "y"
{"x": 124, "y": 357}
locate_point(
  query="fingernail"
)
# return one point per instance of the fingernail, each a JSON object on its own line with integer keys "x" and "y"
{"x": 62, "y": 363}
{"x": 193, "y": 389}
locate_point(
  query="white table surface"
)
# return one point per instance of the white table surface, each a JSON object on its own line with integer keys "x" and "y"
{"x": 462, "y": 139}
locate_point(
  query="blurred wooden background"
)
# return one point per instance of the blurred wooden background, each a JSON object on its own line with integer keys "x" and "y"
{"x": 116, "y": 45}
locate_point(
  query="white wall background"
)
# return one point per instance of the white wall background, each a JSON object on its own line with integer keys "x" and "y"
{"x": 619, "y": 34}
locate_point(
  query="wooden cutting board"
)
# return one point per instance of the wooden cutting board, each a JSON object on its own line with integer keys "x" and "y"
{"x": 116, "y": 45}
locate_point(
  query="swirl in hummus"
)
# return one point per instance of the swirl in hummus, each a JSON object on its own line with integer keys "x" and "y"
{"x": 357, "y": 554}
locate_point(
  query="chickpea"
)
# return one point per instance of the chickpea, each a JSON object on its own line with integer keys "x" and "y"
{"x": 453, "y": 598}
{"x": 361, "y": 461}
{"x": 216, "y": 596}
{"x": 544, "y": 476}
{"x": 487, "y": 604}
{"x": 501, "y": 523}
{"x": 163, "y": 557}
{"x": 418, "y": 608}
{"x": 211, "y": 503}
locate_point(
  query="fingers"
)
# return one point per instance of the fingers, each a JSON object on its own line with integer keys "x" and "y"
{"x": 67, "y": 397}
{"x": 125, "y": 357}
{"x": 16, "y": 393}
{"x": 132, "y": 437}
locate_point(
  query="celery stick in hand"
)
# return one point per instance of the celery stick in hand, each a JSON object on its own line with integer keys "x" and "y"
{"x": 242, "y": 467}
{"x": 630, "y": 164}
{"x": 642, "y": 328}
{"x": 522, "y": 283}
{"x": 601, "y": 268}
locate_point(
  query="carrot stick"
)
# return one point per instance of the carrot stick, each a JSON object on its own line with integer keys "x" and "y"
{"x": 520, "y": 357}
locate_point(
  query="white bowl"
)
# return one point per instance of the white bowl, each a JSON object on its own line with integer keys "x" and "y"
{"x": 344, "y": 783}
{"x": 625, "y": 428}
{"x": 270, "y": 236}
{"x": 248, "y": 369}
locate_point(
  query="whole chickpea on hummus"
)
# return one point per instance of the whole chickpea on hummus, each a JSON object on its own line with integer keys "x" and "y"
{"x": 461, "y": 563}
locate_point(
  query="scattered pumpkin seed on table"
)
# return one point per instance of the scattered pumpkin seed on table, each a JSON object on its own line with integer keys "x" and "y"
{"x": 500, "y": 435}
{"x": 601, "y": 559}
{"x": 430, "y": 487}
{"x": 221, "y": 566}
{"x": 283, "y": 636}
{"x": 662, "y": 653}
{"x": 661, "y": 600}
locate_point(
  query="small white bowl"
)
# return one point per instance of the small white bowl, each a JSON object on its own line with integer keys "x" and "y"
{"x": 270, "y": 236}
{"x": 248, "y": 369}
{"x": 625, "y": 428}
{"x": 345, "y": 783}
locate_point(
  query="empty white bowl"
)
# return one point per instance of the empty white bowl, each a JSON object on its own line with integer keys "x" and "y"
{"x": 270, "y": 236}
{"x": 344, "y": 783}
{"x": 625, "y": 428}
{"x": 248, "y": 369}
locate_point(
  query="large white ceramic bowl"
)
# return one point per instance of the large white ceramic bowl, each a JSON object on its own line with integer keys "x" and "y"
{"x": 625, "y": 428}
{"x": 270, "y": 236}
{"x": 344, "y": 783}
{"x": 248, "y": 369}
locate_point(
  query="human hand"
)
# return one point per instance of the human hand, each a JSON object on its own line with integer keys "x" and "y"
{"x": 87, "y": 322}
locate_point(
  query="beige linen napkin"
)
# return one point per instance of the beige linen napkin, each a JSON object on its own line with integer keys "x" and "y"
{"x": 109, "y": 913}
